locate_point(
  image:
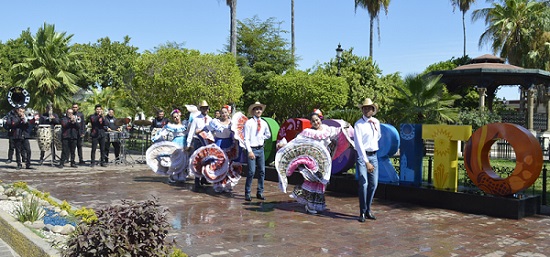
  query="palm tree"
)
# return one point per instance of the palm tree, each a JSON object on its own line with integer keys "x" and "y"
{"x": 115, "y": 98}
{"x": 233, "y": 31}
{"x": 373, "y": 8}
{"x": 423, "y": 100}
{"x": 463, "y": 6}
{"x": 51, "y": 72}
{"x": 511, "y": 27}
{"x": 293, "y": 39}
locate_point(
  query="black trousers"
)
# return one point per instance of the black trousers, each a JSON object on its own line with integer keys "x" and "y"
{"x": 68, "y": 150}
{"x": 11, "y": 148}
{"x": 22, "y": 151}
{"x": 79, "y": 148}
{"x": 101, "y": 142}
{"x": 116, "y": 146}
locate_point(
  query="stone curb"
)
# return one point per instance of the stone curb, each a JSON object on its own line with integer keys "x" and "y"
{"x": 22, "y": 240}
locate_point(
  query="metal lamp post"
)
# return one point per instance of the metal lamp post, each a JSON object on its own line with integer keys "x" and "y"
{"x": 339, "y": 51}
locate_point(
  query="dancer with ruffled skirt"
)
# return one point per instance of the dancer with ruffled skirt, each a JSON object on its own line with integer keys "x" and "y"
{"x": 308, "y": 154}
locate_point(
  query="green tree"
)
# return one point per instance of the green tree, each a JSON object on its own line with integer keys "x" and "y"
{"x": 108, "y": 63}
{"x": 51, "y": 71}
{"x": 463, "y": 6}
{"x": 13, "y": 51}
{"x": 170, "y": 78}
{"x": 363, "y": 77}
{"x": 511, "y": 27}
{"x": 470, "y": 96}
{"x": 422, "y": 100}
{"x": 297, "y": 93}
{"x": 262, "y": 52}
{"x": 373, "y": 8}
{"x": 109, "y": 97}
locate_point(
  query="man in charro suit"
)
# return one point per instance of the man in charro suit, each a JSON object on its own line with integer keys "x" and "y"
{"x": 111, "y": 128}
{"x": 99, "y": 126}
{"x": 18, "y": 125}
{"x": 70, "y": 129}
{"x": 80, "y": 116}
{"x": 48, "y": 118}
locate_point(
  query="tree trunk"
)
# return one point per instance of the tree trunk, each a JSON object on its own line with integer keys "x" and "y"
{"x": 464, "y": 32}
{"x": 371, "y": 35}
{"x": 293, "y": 39}
{"x": 233, "y": 29}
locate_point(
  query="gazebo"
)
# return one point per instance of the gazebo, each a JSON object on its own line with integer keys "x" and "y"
{"x": 488, "y": 72}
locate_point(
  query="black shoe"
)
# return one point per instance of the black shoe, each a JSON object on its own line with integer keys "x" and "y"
{"x": 28, "y": 167}
{"x": 19, "y": 166}
{"x": 103, "y": 165}
{"x": 74, "y": 165}
{"x": 370, "y": 216}
{"x": 92, "y": 165}
{"x": 81, "y": 162}
{"x": 61, "y": 166}
{"x": 361, "y": 217}
{"x": 260, "y": 196}
{"x": 41, "y": 161}
{"x": 247, "y": 198}
{"x": 8, "y": 161}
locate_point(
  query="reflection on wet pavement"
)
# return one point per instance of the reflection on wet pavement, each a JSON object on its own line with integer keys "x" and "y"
{"x": 211, "y": 224}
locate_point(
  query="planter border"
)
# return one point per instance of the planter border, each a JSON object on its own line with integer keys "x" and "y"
{"x": 22, "y": 240}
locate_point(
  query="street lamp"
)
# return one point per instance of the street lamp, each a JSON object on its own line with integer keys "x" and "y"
{"x": 339, "y": 51}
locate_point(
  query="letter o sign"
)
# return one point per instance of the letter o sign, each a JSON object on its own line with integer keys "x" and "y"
{"x": 528, "y": 158}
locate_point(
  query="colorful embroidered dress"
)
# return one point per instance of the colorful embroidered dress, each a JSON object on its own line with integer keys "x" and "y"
{"x": 308, "y": 154}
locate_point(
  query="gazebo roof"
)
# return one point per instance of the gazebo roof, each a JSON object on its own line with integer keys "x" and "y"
{"x": 490, "y": 71}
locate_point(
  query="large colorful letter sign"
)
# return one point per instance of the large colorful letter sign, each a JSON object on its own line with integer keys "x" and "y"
{"x": 411, "y": 155}
{"x": 446, "y": 139}
{"x": 388, "y": 145}
{"x": 528, "y": 158}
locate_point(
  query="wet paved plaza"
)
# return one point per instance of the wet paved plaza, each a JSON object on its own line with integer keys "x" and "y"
{"x": 210, "y": 224}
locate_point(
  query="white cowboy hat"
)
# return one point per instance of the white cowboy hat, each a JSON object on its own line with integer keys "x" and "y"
{"x": 203, "y": 104}
{"x": 368, "y": 102}
{"x": 254, "y": 105}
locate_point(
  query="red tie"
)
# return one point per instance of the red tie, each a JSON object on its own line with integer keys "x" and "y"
{"x": 373, "y": 125}
{"x": 259, "y": 126}
{"x": 205, "y": 120}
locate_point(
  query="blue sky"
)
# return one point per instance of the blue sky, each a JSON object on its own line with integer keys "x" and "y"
{"x": 413, "y": 35}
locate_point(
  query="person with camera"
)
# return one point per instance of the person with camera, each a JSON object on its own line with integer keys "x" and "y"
{"x": 70, "y": 130}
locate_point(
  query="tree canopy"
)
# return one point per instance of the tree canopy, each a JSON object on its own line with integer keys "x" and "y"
{"x": 171, "y": 78}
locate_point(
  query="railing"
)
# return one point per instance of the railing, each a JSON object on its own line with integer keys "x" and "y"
{"x": 501, "y": 150}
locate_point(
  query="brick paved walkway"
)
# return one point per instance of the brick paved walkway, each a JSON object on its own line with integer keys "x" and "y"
{"x": 210, "y": 224}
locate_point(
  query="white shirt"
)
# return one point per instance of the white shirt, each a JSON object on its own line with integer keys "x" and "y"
{"x": 197, "y": 123}
{"x": 253, "y": 137}
{"x": 367, "y": 134}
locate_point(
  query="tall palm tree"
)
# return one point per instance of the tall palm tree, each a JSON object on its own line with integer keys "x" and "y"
{"x": 292, "y": 38}
{"x": 463, "y": 6}
{"x": 511, "y": 26}
{"x": 423, "y": 100}
{"x": 373, "y": 8}
{"x": 233, "y": 30}
{"x": 51, "y": 72}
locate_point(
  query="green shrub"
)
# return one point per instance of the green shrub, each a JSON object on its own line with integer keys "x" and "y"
{"x": 29, "y": 210}
{"x": 129, "y": 229}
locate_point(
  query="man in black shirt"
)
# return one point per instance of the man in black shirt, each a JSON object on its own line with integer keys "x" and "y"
{"x": 82, "y": 132}
{"x": 48, "y": 118}
{"x": 70, "y": 130}
{"x": 99, "y": 126}
{"x": 113, "y": 138}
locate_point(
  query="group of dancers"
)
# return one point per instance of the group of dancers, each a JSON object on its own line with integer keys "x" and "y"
{"x": 209, "y": 149}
